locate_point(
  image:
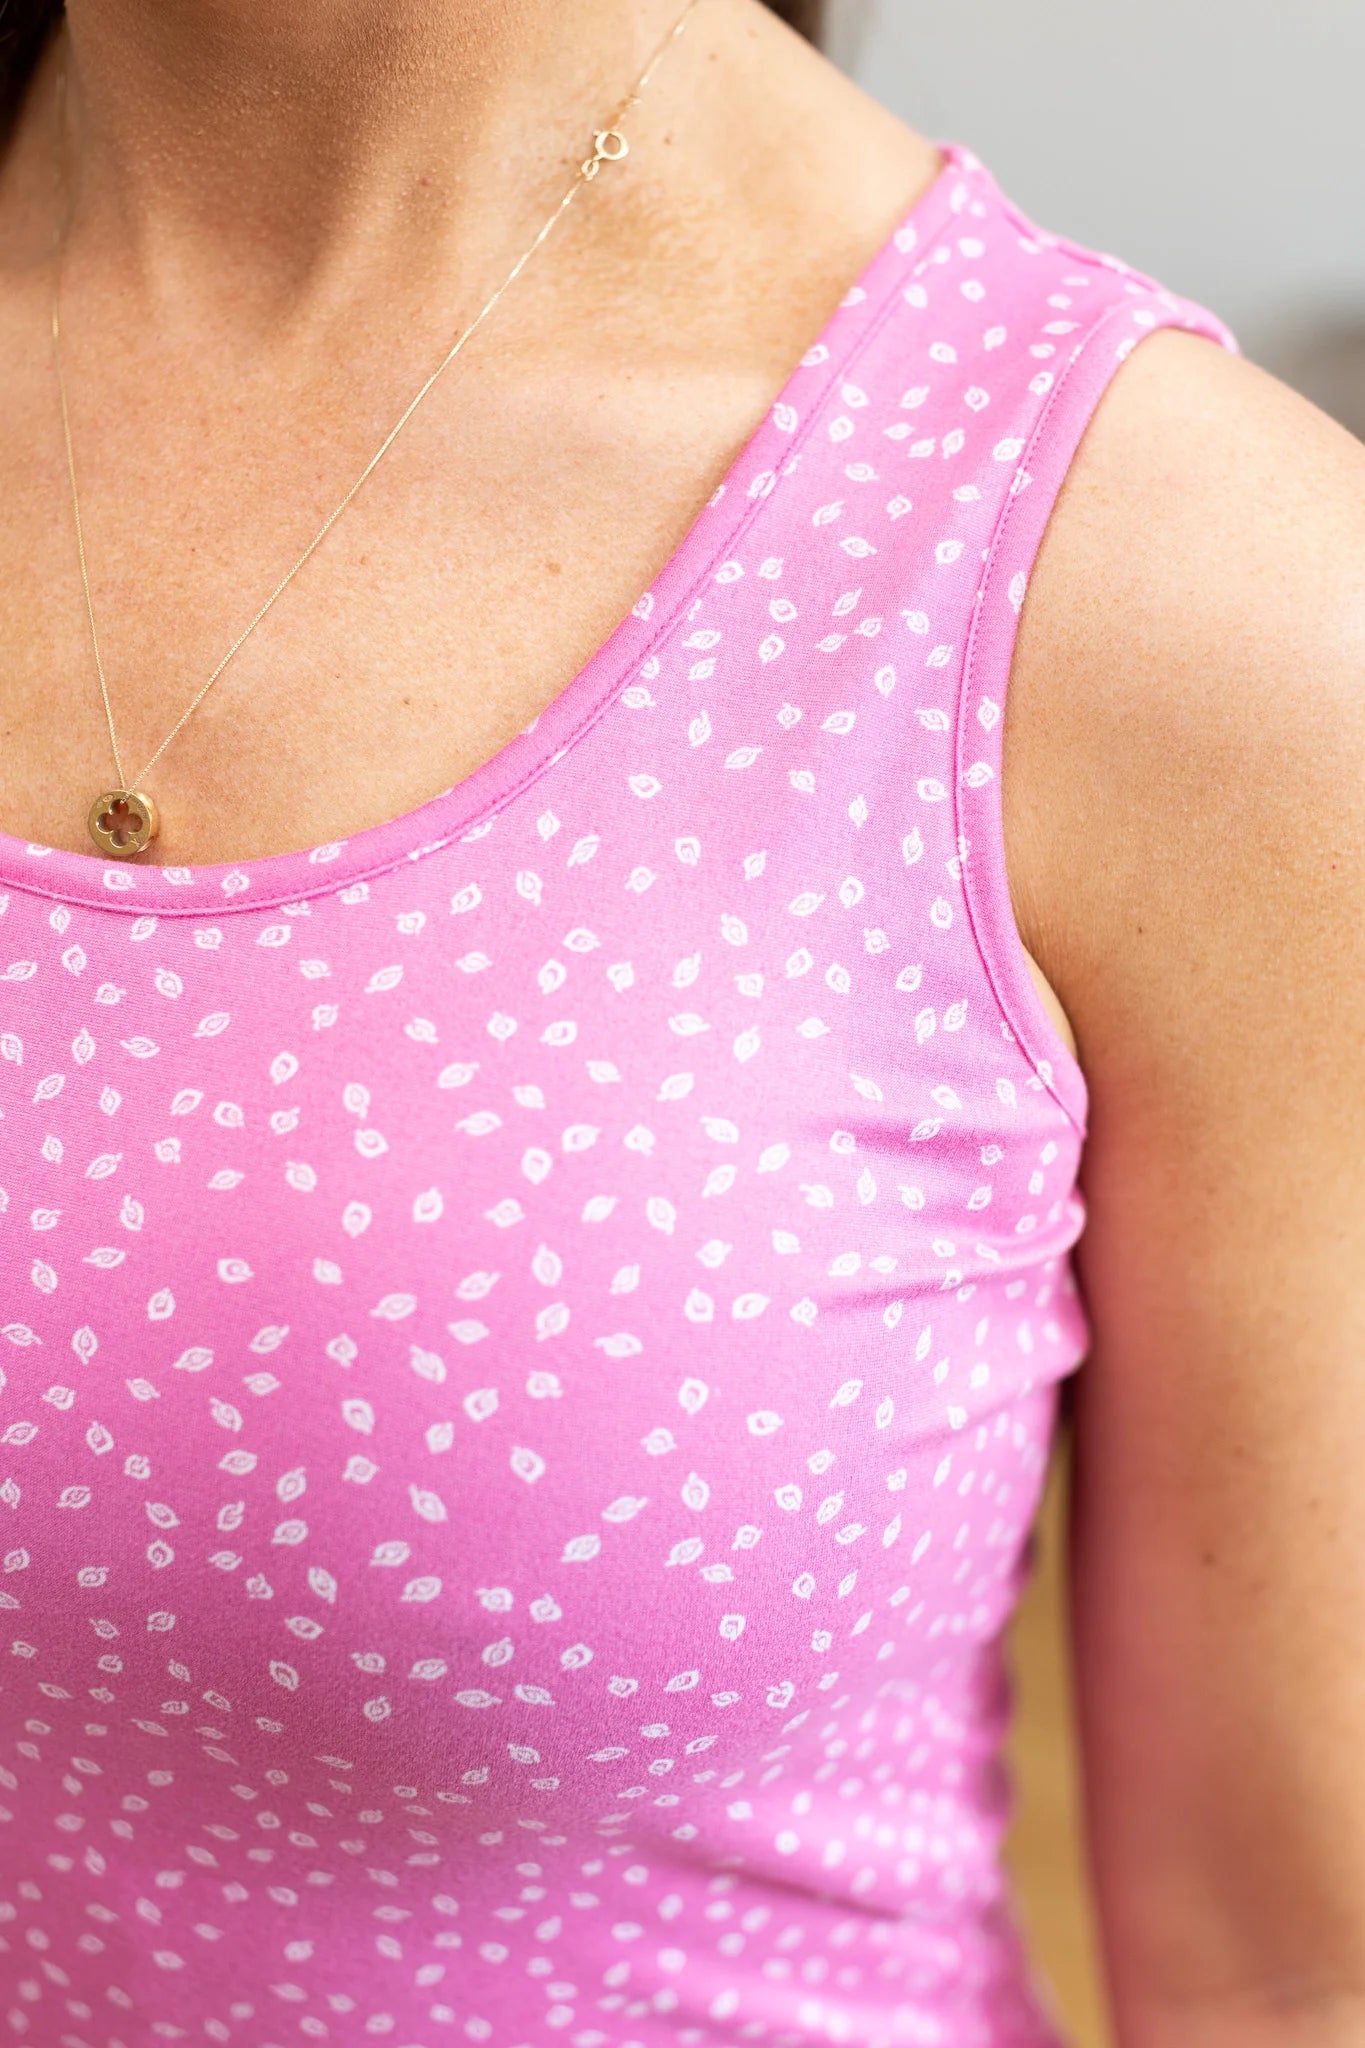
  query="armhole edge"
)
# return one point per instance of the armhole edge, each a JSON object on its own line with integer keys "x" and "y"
{"x": 1019, "y": 530}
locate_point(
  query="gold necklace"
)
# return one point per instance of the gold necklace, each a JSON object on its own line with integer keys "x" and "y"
{"x": 123, "y": 821}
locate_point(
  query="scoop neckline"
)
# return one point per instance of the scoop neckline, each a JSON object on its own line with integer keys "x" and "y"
{"x": 469, "y": 807}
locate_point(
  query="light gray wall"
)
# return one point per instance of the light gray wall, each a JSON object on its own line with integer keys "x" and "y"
{"x": 1217, "y": 144}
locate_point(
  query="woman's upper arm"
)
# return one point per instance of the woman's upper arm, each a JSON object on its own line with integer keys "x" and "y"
{"x": 1190, "y": 735}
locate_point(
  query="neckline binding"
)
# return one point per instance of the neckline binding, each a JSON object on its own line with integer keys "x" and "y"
{"x": 470, "y": 806}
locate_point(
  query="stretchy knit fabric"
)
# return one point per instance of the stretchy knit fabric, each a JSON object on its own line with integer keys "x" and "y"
{"x": 531, "y": 1336}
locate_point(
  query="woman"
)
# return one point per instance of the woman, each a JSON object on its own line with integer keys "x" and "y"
{"x": 546, "y": 1218}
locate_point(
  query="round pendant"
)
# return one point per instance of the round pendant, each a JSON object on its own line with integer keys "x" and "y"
{"x": 122, "y": 822}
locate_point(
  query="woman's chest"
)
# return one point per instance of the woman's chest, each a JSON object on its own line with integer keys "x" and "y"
{"x": 586, "y": 1246}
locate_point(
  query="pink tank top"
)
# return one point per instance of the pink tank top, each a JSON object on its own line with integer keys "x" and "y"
{"x": 531, "y": 1336}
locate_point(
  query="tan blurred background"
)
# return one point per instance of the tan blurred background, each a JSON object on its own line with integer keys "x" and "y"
{"x": 1043, "y": 1851}
{"x": 1221, "y": 149}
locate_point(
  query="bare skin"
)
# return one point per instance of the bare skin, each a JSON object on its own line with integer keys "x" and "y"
{"x": 271, "y": 204}
{"x": 198, "y": 385}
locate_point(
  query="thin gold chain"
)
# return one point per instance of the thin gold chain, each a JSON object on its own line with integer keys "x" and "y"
{"x": 609, "y": 146}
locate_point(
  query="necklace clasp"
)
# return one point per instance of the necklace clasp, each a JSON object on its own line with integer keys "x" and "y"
{"x": 609, "y": 145}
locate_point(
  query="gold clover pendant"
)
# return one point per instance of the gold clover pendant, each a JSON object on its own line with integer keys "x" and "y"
{"x": 122, "y": 822}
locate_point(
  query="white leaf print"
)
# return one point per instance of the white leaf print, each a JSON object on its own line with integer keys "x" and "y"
{"x": 527, "y": 1465}
{"x": 359, "y": 1471}
{"x": 161, "y": 1306}
{"x": 322, "y": 1583}
{"x": 141, "y": 1048}
{"x": 427, "y": 1365}
{"x": 394, "y": 1307}
{"x": 579, "y": 1549}
{"x": 427, "y": 1504}
{"x": 285, "y": 1675}
{"x": 195, "y": 1360}
{"x": 467, "y": 1330}
{"x": 290, "y": 1485}
{"x": 104, "y": 1256}
{"x": 481, "y": 1403}
{"x": 359, "y": 1415}
{"x": 695, "y": 1491}
{"x": 392, "y": 1552}
{"x": 303, "y": 1626}
{"x": 620, "y": 1345}
{"x": 211, "y": 1026}
{"x": 742, "y": 757}
{"x": 428, "y": 1668}
{"x": 746, "y": 1306}
{"x": 371, "y": 1144}
{"x": 625, "y": 1509}
{"x": 421, "y": 1590}
{"x": 686, "y": 1551}
{"x": 472, "y": 1697}
{"x": 428, "y": 1207}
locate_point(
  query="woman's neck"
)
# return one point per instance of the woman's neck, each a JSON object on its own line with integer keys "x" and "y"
{"x": 296, "y": 151}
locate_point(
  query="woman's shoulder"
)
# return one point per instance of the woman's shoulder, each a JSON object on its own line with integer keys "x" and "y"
{"x": 1186, "y": 727}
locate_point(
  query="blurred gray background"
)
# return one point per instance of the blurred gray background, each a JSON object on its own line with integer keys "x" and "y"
{"x": 1217, "y": 144}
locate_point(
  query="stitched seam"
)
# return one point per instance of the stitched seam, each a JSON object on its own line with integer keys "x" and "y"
{"x": 839, "y": 369}
{"x": 1110, "y": 317}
